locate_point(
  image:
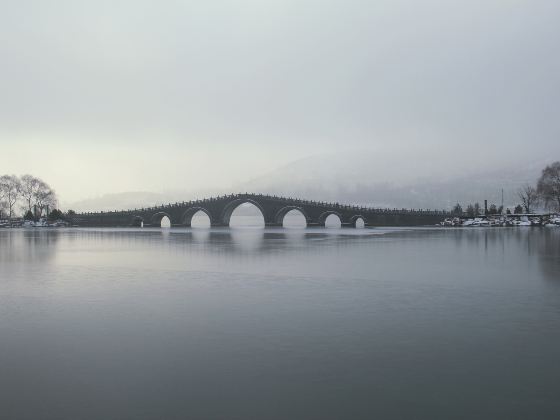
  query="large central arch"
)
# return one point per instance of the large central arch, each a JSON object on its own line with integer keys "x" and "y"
{"x": 232, "y": 205}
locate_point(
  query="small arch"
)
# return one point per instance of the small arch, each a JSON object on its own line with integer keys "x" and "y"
{"x": 233, "y": 205}
{"x": 196, "y": 213}
{"x": 291, "y": 217}
{"x": 358, "y": 221}
{"x": 165, "y": 222}
{"x": 137, "y": 221}
{"x": 157, "y": 219}
{"x": 333, "y": 221}
{"x": 330, "y": 219}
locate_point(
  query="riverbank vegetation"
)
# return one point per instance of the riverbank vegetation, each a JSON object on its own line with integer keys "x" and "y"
{"x": 27, "y": 197}
{"x": 544, "y": 196}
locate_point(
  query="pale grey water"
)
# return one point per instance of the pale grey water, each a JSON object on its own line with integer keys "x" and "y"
{"x": 280, "y": 324}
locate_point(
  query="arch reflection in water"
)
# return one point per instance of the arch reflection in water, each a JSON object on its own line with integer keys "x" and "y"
{"x": 201, "y": 234}
{"x": 246, "y": 215}
{"x": 247, "y": 240}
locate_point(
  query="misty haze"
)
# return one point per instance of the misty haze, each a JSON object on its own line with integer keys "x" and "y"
{"x": 279, "y": 209}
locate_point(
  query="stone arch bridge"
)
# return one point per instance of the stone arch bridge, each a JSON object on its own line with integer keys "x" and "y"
{"x": 219, "y": 210}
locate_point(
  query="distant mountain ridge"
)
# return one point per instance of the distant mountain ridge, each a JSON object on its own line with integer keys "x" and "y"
{"x": 360, "y": 179}
{"x": 357, "y": 181}
{"x": 119, "y": 201}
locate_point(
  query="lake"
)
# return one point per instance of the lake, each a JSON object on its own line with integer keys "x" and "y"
{"x": 250, "y": 323}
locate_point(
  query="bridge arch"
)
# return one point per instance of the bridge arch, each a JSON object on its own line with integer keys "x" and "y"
{"x": 186, "y": 219}
{"x": 279, "y": 217}
{"x": 156, "y": 219}
{"x": 232, "y": 205}
{"x": 358, "y": 221}
{"x": 137, "y": 221}
{"x": 323, "y": 217}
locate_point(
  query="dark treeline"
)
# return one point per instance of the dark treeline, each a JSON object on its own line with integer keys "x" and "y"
{"x": 545, "y": 194}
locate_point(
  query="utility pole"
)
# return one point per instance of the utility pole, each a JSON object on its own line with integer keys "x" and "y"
{"x": 502, "y": 201}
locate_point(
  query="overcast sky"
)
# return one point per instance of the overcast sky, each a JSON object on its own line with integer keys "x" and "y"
{"x": 108, "y": 96}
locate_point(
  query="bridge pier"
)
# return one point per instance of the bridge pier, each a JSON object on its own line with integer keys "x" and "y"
{"x": 218, "y": 224}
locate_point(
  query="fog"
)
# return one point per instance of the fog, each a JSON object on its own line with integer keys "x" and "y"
{"x": 111, "y": 96}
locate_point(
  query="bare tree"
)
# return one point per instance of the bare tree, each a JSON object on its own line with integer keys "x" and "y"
{"x": 10, "y": 186}
{"x": 548, "y": 186}
{"x": 476, "y": 209}
{"x": 45, "y": 198}
{"x": 457, "y": 210}
{"x": 528, "y": 196}
{"x": 2, "y": 202}
{"x": 30, "y": 186}
{"x": 37, "y": 193}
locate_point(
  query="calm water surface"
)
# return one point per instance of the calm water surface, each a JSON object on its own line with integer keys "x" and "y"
{"x": 280, "y": 324}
